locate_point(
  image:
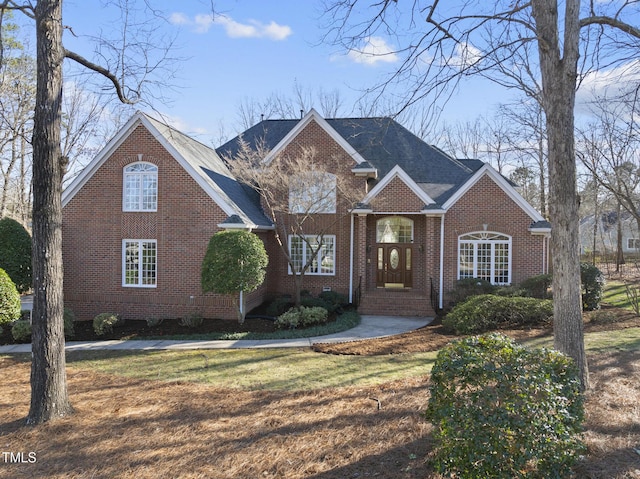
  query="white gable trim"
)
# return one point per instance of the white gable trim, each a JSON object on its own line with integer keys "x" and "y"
{"x": 501, "y": 181}
{"x": 399, "y": 173}
{"x": 136, "y": 120}
{"x": 313, "y": 115}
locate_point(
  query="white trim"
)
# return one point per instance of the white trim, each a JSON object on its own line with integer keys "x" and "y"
{"x": 304, "y": 245}
{"x": 123, "y": 263}
{"x": 492, "y": 242}
{"x": 441, "y": 287}
{"x": 487, "y": 169}
{"x": 351, "y": 259}
{"x": 398, "y": 172}
{"x": 140, "y": 195}
{"x": 313, "y": 115}
{"x": 140, "y": 119}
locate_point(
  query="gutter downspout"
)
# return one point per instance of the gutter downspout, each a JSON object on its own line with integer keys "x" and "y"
{"x": 441, "y": 287}
{"x": 351, "y": 261}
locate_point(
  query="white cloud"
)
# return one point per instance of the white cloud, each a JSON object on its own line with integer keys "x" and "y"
{"x": 612, "y": 82}
{"x": 201, "y": 23}
{"x": 374, "y": 50}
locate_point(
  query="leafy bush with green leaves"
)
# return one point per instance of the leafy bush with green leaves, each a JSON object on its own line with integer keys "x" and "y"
{"x": 279, "y": 305}
{"x": 593, "y": 282}
{"x": 21, "y": 331}
{"x": 302, "y": 317}
{"x": 193, "y": 320}
{"x": 503, "y": 411}
{"x": 15, "y": 254}
{"x": 69, "y": 319}
{"x": 10, "y": 305}
{"x": 487, "y": 312}
{"x": 334, "y": 299}
{"x": 537, "y": 286}
{"x": 465, "y": 288}
{"x": 104, "y": 323}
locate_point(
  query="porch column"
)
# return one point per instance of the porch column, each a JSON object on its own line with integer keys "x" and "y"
{"x": 362, "y": 255}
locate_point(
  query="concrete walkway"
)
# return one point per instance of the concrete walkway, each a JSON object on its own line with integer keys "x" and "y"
{"x": 369, "y": 327}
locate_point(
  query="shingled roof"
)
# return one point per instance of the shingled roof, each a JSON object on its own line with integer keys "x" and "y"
{"x": 383, "y": 143}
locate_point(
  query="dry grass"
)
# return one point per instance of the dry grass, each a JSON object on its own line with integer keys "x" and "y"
{"x": 128, "y": 428}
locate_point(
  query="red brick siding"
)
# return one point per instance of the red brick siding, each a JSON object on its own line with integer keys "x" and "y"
{"x": 94, "y": 226}
{"x": 280, "y": 281}
{"x": 487, "y": 204}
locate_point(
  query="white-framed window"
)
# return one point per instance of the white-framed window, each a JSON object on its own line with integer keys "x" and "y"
{"x": 633, "y": 243}
{"x": 485, "y": 255}
{"x": 140, "y": 187}
{"x": 394, "y": 229}
{"x": 312, "y": 192}
{"x": 139, "y": 263}
{"x": 301, "y": 249}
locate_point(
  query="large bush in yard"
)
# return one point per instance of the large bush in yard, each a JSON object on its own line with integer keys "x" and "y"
{"x": 10, "y": 305}
{"x": 15, "y": 253}
{"x": 235, "y": 262}
{"x": 503, "y": 411}
{"x": 486, "y": 312}
{"x": 593, "y": 282}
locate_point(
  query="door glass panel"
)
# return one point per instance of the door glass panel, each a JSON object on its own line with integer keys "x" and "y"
{"x": 408, "y": 259}
{"x": 380, "y": 258}
{"x": 394, "y": 258}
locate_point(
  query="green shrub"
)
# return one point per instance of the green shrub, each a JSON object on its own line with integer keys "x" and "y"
{"x": 10, "y": 306}
{"x": 193, "y": 320}
{"x": 104, "y": 323}
{"x": 21, "y": 331}
{"x": 278, "y": 306}
{"x": 487, "y": 312}
{"x": 15, "y": 254}
{"x": 465, "y": 288}
{"x": 593, "y": 282}
{"x": 603, "y": 317}
{"x": 153, "y": 322}
{"x": 311, "y": 302}
{"x": 502, "y": 411}
{"x": 537, "y": 286}
{"x": 302, "y": 317}
{"x": 334, "y": 299}
{"x": 69, "y": 323}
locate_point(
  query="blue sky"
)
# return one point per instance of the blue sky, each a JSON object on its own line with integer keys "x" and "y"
{"x": 252, "y": 49}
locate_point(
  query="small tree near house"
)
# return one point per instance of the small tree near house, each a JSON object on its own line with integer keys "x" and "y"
{"x": 234, "y": 263}
{"x": 306, "y": 197}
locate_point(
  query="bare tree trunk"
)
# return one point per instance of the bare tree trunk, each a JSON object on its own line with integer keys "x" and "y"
{"x": 49, "y": 398}
{"x": 558, "y": 62}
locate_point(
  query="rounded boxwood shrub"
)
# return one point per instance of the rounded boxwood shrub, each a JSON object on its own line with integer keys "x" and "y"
{"x": 69, "y": 319}
{"x": 593, "y": 282}
{"x": 21, "y": 331}
{"x": 104, "y": 323}
{"x": 10, "y": 306}
{"x": 503, "y": 411}
{"x": 486, "y": 312}
{"x": 302, "y": 317}
{"x": 537, "y": 286}
{"x": 15, "y": 254}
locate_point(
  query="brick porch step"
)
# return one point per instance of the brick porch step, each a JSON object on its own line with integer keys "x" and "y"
{"x": 395, "y": 302}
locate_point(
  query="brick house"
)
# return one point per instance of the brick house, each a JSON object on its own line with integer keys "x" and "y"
{"x": 137, "y": 221}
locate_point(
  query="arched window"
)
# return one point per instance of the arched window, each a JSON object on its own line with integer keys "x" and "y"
{"x": 394, "y": 229}
{"x": 140, "y": 187}
{"x": 485, "y": 255}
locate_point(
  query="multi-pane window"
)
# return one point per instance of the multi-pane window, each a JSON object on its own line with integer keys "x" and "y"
{"x": 139, "y": 263}
{"x": 633, "y": 243}
{"x": 312, "y": 192}
{"x": 302, "y": 250}
{"x": 485, "y": 255}
{"x": 140, "y": 191}
{"x": 394, "y": 229}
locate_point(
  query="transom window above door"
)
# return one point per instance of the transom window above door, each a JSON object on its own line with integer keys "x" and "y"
{"x": 140, "y": 187}
{"x": 394, "y": 229}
